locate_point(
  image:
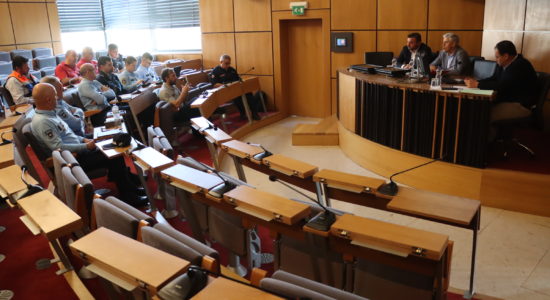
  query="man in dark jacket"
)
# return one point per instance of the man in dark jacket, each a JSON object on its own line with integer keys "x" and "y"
{"x": 107, "y": 77}
{"x": 515, "y": 83}
{"x": 413, "y": 48}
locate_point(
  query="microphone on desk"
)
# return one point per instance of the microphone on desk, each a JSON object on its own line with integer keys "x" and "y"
{"x": 31, "y": 188}
{"x": 4, "y": 140}
{"x": 391, "y": 188}
{"x": 210, "y": 126}
{"x": 262, "y": 155}
{"x": 221, "y": 189}
{"x": 323, "y": 220}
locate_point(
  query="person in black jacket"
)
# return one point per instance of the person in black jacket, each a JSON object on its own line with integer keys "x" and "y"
{"x": 415, "y": 47}
{"x": 107, "y": 77}
{"x": 515, "y": 83}
{"x": 223, "y": 74}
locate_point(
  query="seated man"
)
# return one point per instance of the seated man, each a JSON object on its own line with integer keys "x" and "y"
{"x": 515, "y": 82}
{"x": 20, "y": 83}
{"x": 107, "y": 77}
{"x": 144, "y": 71}
{"x": 172, "y": 92}
{"x": 223, "y": 74}
{"x": 413, "y": 48}
{"x": 66, "y": 71}
{"x": 54, "y": 134}
{"x": 73, "y": 116}
{"x": 453, "y": 60}
{"x": 94, "y": 95}
{"x": 128, "y": 78}
{"x": 118, "y": 60}
{"x": 87, "y": 58}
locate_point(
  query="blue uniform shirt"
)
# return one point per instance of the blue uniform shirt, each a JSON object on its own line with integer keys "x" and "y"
{"x": 92, "y": 97}
{"x": 73, "y": 116}
{"x": 146, "y": 74}
{"x": 53, "y": 133}
{"x": 129, "y": 81}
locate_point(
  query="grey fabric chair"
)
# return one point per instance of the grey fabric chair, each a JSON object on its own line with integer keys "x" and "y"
{"x": 36, "y": 74}
{"x": 484, "y": 69}
{"x": 36, "y": 52}
{"x": 165, "y": 190}
{"x": 58, "y": 164}
{"x": 164, "y": 119}
{"x": 21, "y": 142}
{"x": 48, "y": 71}
{"x": 191, "y": 242}
{"x": 44, "y": 61}
{"x": 118, "y": 216}
{"x": 100, "y": 53}
{"x": 43, "y": 154}
{"x": 166, "y": 243}
{"x": 153, "y": 132}
{"x": 59, "y": 58}
{"x": 24, "y": 53}
{"x": 5, "y": 56}
{"x": 294, "y": 287}
{"x": 5, "y": 67}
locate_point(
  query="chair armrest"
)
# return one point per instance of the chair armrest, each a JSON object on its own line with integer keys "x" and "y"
{"x": 142, "y": 223}
{"x": 256, "y": 276}
{"x": 210, "y": 264}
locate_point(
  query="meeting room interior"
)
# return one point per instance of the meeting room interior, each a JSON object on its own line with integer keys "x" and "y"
{"x": 275, "y": 149}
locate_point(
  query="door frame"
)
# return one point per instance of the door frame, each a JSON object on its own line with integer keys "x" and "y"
{"x": 279, "y": 56}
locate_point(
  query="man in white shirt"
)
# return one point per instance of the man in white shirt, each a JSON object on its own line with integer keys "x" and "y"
{"x": 144, "y": 71}
{"x": 20, "y": 83}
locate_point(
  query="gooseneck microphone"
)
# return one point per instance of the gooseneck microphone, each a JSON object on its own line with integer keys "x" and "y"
{"x": 262, "y": 155}
{"x": 391, "y": 188}
{"x": 4, "y": 140}
{"x": 323, "y": 220}
{"x": 223, "y": 188}
{"x": 31, "y": 188}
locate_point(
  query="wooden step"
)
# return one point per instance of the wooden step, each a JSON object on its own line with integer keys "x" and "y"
{"x": 324, "y": 133}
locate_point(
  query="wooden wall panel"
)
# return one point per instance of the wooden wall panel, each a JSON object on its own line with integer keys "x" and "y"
{"x": 216, "y": 15}
{"x": 504, "y": 14}
{"x": 27, "y": 31}
{"x": 54, "y": 22}
{"x": 456, "y": 14}
{"x": 254, "y": 49}
{"x": 6, "y": 34}
{"x": 353, "y": 14}
{"x": 35, "y": 45}
{"x": 346, "y": 98}
{"x": 363, "y": 41}
{"x": 402, "y": 14}
{"x": 216, "y": 44}
{"x": 394, "y": 41}
{"x": 252, "y": 15}
{"x": 491, "y": 38}
{"x": 57, "y": 48}
{"x": 537, "y": 15}
{"x": 469, "y": 40}
{"x": 187, "y": 56}
{"x": 312, "y": 4}
{"x": 536, "y": 48}
{"x": 7, "y": 48}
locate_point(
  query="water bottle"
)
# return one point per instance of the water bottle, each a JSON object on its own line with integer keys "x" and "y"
{"x": 116, "y": 114}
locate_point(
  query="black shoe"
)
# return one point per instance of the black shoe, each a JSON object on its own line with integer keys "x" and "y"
{"x": 136, "y": 201}
{"x": 256, "y": 117}
{"x": 140, "y": 191}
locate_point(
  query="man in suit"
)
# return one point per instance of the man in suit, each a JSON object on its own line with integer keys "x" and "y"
{"x": 514, "y": 81}
{"x": 413, "y": 48}
{"x": 452, "y": 59}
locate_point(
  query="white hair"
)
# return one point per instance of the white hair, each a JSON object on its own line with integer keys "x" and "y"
{"x": 452, "y": 36}
{"x": 224, "y": 57}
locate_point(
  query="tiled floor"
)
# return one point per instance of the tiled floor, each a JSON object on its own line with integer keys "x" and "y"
{"x": 513, "y": 250}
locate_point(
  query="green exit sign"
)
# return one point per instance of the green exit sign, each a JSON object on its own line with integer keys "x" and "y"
{"x": 298, "y": 10}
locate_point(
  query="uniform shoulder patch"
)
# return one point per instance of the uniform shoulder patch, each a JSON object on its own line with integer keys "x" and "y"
{"x": 49, "y": 133}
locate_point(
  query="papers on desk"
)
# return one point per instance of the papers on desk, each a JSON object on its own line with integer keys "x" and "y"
{"x": 476, "y": 91}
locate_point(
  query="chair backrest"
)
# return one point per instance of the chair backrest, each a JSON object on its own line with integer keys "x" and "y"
{"x": 197, "y": 77}
{"x": 47, "y": 71}
{"x": 142, "y": 108}
{"x": 99, "y": 53}
{"x": 473, "y": 59}
{"x": 21, "y": 143}
{"x": 59, "y": 58}
{"x": 36, "y": 52}
{"x": 5, "y": 67}
{"x": 76, "y": 100}
{"x": 44, "y": 61}
{"x": 294, "y": 286}
{"x": 134, "y": 212}
{"x": 41, "y": 151}
{"x": 6, "y": 95}
{"x": 84, "y": 192}
{"x": 58, "y": 164}
{"x": 543, "y": 81}
{"x": 5, "y": 56}
{"x": 189, "y": 241}
{"x": 36, "y": 74}
{"x": 194, "y": 64}
{"x": 378, "y": 58}
{"x": 166, "y": 243}
{"x": 111, "y": 217}
{"x": 153, "y": 132}
{"x": 162, "y": 145}
{"x": 484, "y": 69}
{"x": 164, "y": 118}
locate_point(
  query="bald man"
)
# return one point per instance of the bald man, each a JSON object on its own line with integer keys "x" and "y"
{"x": 73, "y": 116}
{"x": 53, "y": 133}
{"x": 94, "y": 95}
{"x": 66, "y": 71}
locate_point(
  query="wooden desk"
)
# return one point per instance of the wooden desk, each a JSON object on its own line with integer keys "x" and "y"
{"x": 9, "y": 121}
{"x": 102, "y": 133}
{"x": 190, "y": 179}
{"x": 6, "y": 155}
{"x": 434, "y": 206}
{"x": 53, "y": 218}
{"x": 128, "y": 262}
{"x": 267, "y": 206}
{"x": 216, "y": 136}
{"x": 151, "y": 159}
{"x": 390, "y": 238}
{"x": 221, "y": 288}
{"x": 289, "y": 166}
{"x": 11, "y": 183}
{"x": 241, "y": 149}
{"x": 348, "y": 182}
{"x": 201, "y": 123}
{"x": 116, "y": 152}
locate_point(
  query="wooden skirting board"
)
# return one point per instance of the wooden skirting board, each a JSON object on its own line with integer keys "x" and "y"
{"x": 324, "y": 133}
{"x": 510, "y": 190}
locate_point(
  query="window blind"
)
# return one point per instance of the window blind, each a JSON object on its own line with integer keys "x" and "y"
{"x": 76, "y": 15}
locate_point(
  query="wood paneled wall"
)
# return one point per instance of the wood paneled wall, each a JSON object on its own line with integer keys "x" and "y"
{"x": 524, "y": 22}
{"x": 243, "y": 29}
{"x": 29, "y": 24}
